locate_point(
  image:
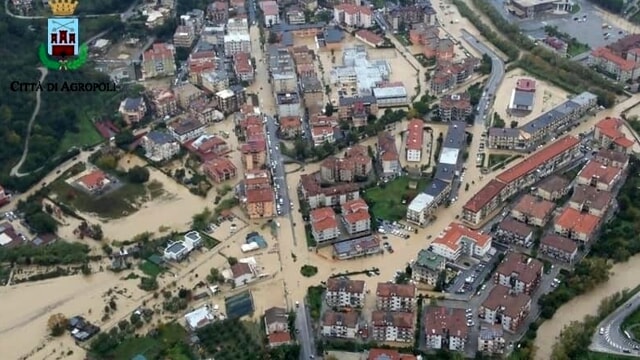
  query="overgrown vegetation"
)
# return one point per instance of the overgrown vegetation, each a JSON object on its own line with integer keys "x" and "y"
{"x": 58, "y": 253}
{"x": 314, "y": 301}
{"x": 389, "y": 201}
{"x": 308, "y": 270}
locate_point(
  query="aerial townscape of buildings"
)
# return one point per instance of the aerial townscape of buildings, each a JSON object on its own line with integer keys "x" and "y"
{"x": 289, "y": 179}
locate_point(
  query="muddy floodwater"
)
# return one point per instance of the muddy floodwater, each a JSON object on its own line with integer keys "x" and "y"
{"x": 623, "y": 276}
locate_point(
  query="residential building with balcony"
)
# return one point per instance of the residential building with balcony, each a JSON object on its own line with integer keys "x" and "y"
{"x": 290, "y": 127}
{"x": 506, "y": 308}
{"x": 553, "y": 188}
{"x": 254, "y": 153}
{"x": 362, "y": 246}
{"x": 340, "y": 325}
{"x": 576, "y": 225}
{"x": 345, "y": 293}
{"x": 259, "y": 203}
{"x": 317, "y": 196}
{"x": 414, "y": 140}
{"x": 599, "y": 175}
{"x": 231, "y": 100}
{"x": 132, "y": 110}
{"x": 457, "y": 240}
{"x": 558, "y": 247}
{"x": 491, "y": 339}
{"x": 158, "y": 61}
{"x": 164, "y": 103}
{"x": 612, "y": 158}
{"x": 185, "y": 129}
{"x": 355, "y": 217}
{"x": 532, "y": 210}
{"x": 512, "y": 231}
{"x": 242, "y": 67}
{"x": 445, "y": 328}
{"x": 388, "y": 156}
{"x": 610, "y": 136}
{"x": 392, "y": 326}
{"x": 455, "y": 107}
{"x": 353, "y": 16}
{"x": 428, "y": 267}
{"x": 591, "y": 200}
{"x": 520, "y": 273}
{"x": 220, "y": 170}
{"x": 235, "y": 43}
{"x": 613, "y": 65}
{"x": 324, "y": 225}
{"x": 159, "y": 146}
{"x": 396, "y": 297}
{"x": 288, "y": 104}
{"x": 184, "y": 36}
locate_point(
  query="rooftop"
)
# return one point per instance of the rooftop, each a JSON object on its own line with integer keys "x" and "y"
{"x": 602, "y": 173}
{"x": 415, "y": 134}
{"x": 445, "y": 321}
{"x": 591, "y": 197}
{"x": 577, "y": 222}
{"x": 533, "y": 207}
{"x": 544, "y": 120}
{"x": 516, "y": 227}
{"x": 400, "y": 290}
{"x": 484, "y": 196}
{"x": 455, "y": 233}
{"x": 526, "y": 269}
{"x": 333, "y": 318}
{"x": 397, "y": 319}
{"x": 538, "y": 159}
{"x": 560, "y": 243}
{"x": 430, "y": 260}
{"x": 554, "y": 183}
{"x": 500, "y": 298}
{"x": 185, "y": 126}
{"x": 356, "y": 245}
{"x": 345, "y": 285}
{"x": 323, "y": 219}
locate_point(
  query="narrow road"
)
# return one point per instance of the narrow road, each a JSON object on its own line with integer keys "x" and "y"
{"x": 15, "y": 171}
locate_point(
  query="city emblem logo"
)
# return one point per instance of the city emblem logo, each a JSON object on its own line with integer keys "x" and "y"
{"x": 63, "y": 50}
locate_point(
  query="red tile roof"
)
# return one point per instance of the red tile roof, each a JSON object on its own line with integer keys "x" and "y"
{"x": 403, "y": 320}
{"x": 484, "y": 196}
{"x": 445, "y": 322}
{"x": 242, "y": 63}
{"x": 415, "y": 134}
{"x": 255, "y": 196}
{"x": 345, "y": 285}
{"x": 526, "y": 268}
{"x": 388, "y": 354}
{"x": 290, "y": 122}
{"x": 501, "y": 297}
{"x": 577, "y": 222}
{"x": 158, "y": 51}
{"x": 400, "y": 290}
{"x": 451, "y": 236}
{"x": 525, "y": 84}
{"x": 604, "y": 174}
{"x": 610, "y": 127}
{"x": 93, "y": 179}
{"x": 560, "y": 243}
{"x": 533, "y": 207}
{"x": 369, "y": 37}
{"x": 323, "y": 219}
{"x": 538, "y": 159}
{"x": 608, "y": 55}
{"x": 279, "y": 338}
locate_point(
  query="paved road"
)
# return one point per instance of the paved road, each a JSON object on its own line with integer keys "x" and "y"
{"x": 497, "y": 74}
{"x": 305, "y": 333}
{"x": 276, "y": 166}
{"x": 613, "y": 340}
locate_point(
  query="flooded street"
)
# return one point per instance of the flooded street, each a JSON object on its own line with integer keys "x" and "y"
{"x": 624, "y": 276}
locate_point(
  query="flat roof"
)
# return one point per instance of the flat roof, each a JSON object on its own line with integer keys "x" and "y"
{"x": 456, "y": 135}
{"x": 420, "y": 202}
{"x": 561, "y": 110}
{"x": 390, "y": 92}
{"x": 449, "y": 156}
{"x": 522, "y": 98}
{"x": 176, "y": 247}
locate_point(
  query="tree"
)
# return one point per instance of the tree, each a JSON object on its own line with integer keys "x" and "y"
{"x": 232, "y": 261}
{"x": 201, "y": 221}
{"x": 42, "y": 223}
{"x": 138, "y": 175}
{"x": 215, "y": 276}
{"x": 328, "y": 109}
{"x": 498, "y": 121}
{"x": 124, "y": 138}
{"x": 514, "y": 124}
{"x": 273, "y": 38}
{"x": 57, "y": 324}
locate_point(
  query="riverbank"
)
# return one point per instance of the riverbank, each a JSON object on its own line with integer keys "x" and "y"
{"x": 622, "y": 277}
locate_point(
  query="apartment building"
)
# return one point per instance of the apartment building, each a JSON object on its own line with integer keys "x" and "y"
{"x": 615, "y": 66}
{"x": 159, "y": 146}
{"x": 396, "y": 297}
{"x": 362, "y": 246}
{"x": 271, "y": 13}
{"x": 353, "y": 16}
{"x": 425, "y": 203}
{"x": 392, "y": 326}
{"x": 576, "y": 225}
{"x": 295, "y": 16}
{"x": 599, "y": 175}
{"x": 218, "y": 12}
{"x": 324, "y": 224}
{"x": 591, "y": 200}
{"x": 288, "y": 104}
{"x": 185, "y": 129}
{"x": 254, "y": 152}
{"x": 416, "y": 13}
{"x": 612, "y": 158}
{"x": 290, "y": 127}
{"x": 237, "y": 42}
{"x": 321, "y": 135}
{"x": 553, "y": 188}
{"x": 455, "y": 107}
{"x": 312, "y": 93}
{"x": 538, "y": 130}
{"x": 220, "y": 170}
{"x": 532, "y": 210}
{"x": 448, "y": 74}
{"x": 215, "y": 80}
{"x": 231, "y": 100}
{"x": 609, "y": 134}
{"x": 388, "y": 156}
{"x": 504, "y": 307}
{"x": 414, "y": 140}
{"x": 340, "y": 325}
{"x": 521, "y": 176}
{"x": 458, "y": 239}
{"x": 520, "y": 273}
{"x": 387, "y": 354}
{"x": 163, "y": 103}
{"x": 445, "y": 328}
{"x": 159, "y": 60}
{"x": 355, "y": 217}
{"x": 428, "y": 267}
{"x": 357, "y": 109}
{"x": 242, "y": 66}
{"x": 558, "y": 247}
{"x": 259, "y": 203}
{"x": 355, "y": 166}
{"x": 317, "y": 196}
{"x": 491, "y": 340}
{"x": 132, "y": 110}
{"x": 345, "y": 293}
{"x": 511, "y": 231}
{"x": 184, "y": 36}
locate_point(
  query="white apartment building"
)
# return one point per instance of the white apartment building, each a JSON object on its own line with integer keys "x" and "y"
{"x": 184, "y": 130}
{"x": 395, "y": 297}
{"x": 237, "y": 26}
{"x": 235, "y": 43}
{"x": 159, "y": 146}
{"x": 324, "y": 225}
{"x": 458, "y": 239}
{"x": 340, "y": 325}
{"x": 355, "y": 216}
{"x": 345, "y": 293}
{"x": 393, "y": 326}
{"x": 445, "y": 328}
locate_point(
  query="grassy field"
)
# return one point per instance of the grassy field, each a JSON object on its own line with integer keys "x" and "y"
{"x": 150, "y": 268}
{"x": 389, "y": 201}
{"x": 495, "y": 159}
{"x": 88, "y": 135}
{"x": 115, "y": 204}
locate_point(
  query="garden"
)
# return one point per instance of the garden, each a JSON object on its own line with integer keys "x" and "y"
{"x": 389, "y": 201}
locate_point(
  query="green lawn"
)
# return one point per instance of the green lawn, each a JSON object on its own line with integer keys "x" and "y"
{"x": 150, "y": 268}
{"x": 389, "y": 201}
{"x": 115, "y": 204}
{"x": 150, "y": 347}
{"x": 577, "y": 48}
{"x": 88, "y": 135}
{"x": 495, "y": 159}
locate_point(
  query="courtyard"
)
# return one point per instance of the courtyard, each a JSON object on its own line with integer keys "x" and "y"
{"x": 390, "y": 200}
